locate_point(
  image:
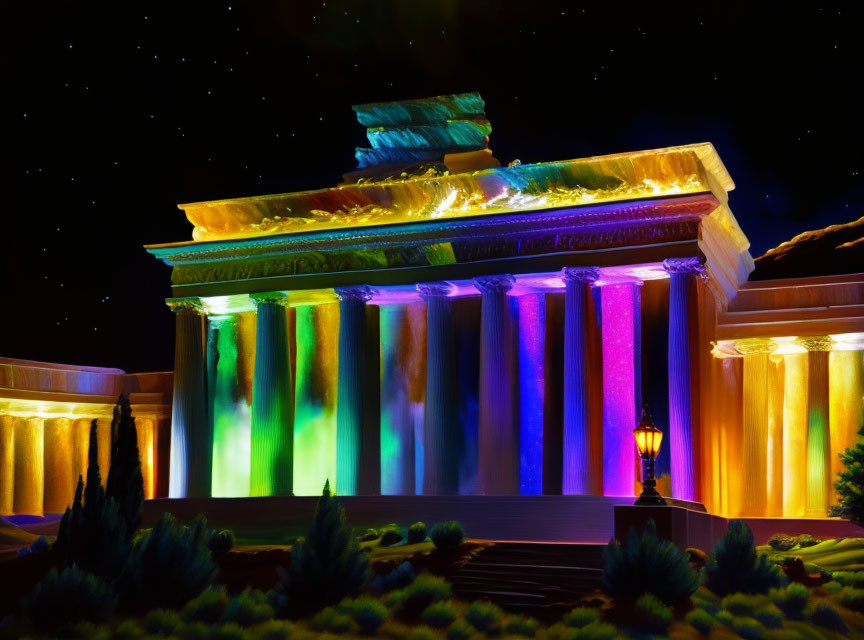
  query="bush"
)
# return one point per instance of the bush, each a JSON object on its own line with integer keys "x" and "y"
{"x": 522, "y": 626}
{"x": 849, "y": 578}
{"x": 171, "y": 564}
{"x": 734, "y": 566}
{"x": 850, "y": 485}
{"x": 398, "y": 578}
{"x": 743, "y": 604}
{"x": 646, "y": 564}
{"x": 832, "y": 588}
{"x": 62, "y": 599}
{"x": 853, "y": 599}
{"x": 597, "y": 631}
{"x": 423, "y": 633}
{"x": 460, "y": 630}
{"x": 792, "y": 600}
{"x": 221, "y": 542}
{"x": 425, "y": 590}
{"x": 327, "y": 565}
{"x": 482, "y": 614}
{"x": 747, "y": 628}
{"x": 39, "y": 545}
{"x": 707, "y": 600}
{"x": 329, "y": 619}
{"x": 447, "y": 535}
{"x": 806, "y": 540}
{"x": 369, "y": 614}
{"x": 228, "y": 631}
{"x": 393, "y": 600}
{"x": 194, "y": 631}
{"x": 390, "y": 536}
{"x": 701, "y": 620}
{"x": 416, "y": 533}
{"x": 125, "y": 484}
{"x": 369, "y": 535}
{"x": 580, "y": 617}
{"x": 770, "y": 616}
{"x": 271, "y": 630}
{"x": 652, "y": 614}
{"x": 247, "y": 608}
{"x": 162, "y": 622}
{"x": 206, "y": 607}
{"x": 826, "y": 616}
{"x": 782, "y": 542}
{"x": 440, "y": 615}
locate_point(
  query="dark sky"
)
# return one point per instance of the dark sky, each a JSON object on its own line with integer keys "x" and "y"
{"x": 112, "y": 114}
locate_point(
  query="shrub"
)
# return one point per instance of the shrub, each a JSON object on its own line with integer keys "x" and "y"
{"x": 826, "y": 616}
{"x": 423, "y": 633}
{"x": 792, "y": 600}
{"x": 652, "y": 614}
{"x": 769, "y": 616}
{"x": 162, "y": 622}
{"x": 39, "y": 545}
{"x": 782, "y": 542}
{"x": 327, "y": 565}
{"x": 228, "y": 631}
{"x": 447, "y": 535}
{"x": 747, "y": 628}
{"x": 646, "y": 564}
{"x": 369, "y": 614}
{"x": 206, "y": 607}
{"x": 701, "y": 620}
{"x": 390, "y": 536}
{"x": 806, "y": 540}
{"x": 221, "y": 542}
{"x": 425, "y": 590}
{"x": 743, "y": 604}
{"x": 707, "y": 600}
{"x": 125, "y": 484}
{"x": 853, "y": 599}
{"x": 62, "y": 599}
{"x": 393, "y": 600}
{"x": 171, "y": 564}
{"x": 247, "y": 608}
{"x": 850, "y": 484}
{"x": 849, "y": 578}
{"x": 520, "y": 625}
{"x": 440, "y": 615}
{"x": 833, "y": 587}
{"x": 416, "y": 533}
{"x": 271, "y": 630}
{"x": 398, "y": 578}
{"x": 580, "y": 617}
{"x": 734, "y": 566}
{"x": 329, "y": 619}
{"x": 597, "y": 631}
{"x": 194, "y": 631}
{"x": 460, "y": 630}
{"x": 369, "y": 535}
{"x": 482, "y": 614}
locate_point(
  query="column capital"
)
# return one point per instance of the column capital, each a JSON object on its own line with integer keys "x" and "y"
{"x": 815, "y": 343}
{"x": 755, "y": 345}
{"x": 186, "y": 304}
{"x": 499, "y": 283}
{"x": 269, "y": 297}
{"x": 435, "y": 289}
{"x": 581, "y": 275}
{"x": 688, "y": 266}
{"x": 360, "y": 292}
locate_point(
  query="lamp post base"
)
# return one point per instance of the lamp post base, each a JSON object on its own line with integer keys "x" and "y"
{"x": 650, "y": 499}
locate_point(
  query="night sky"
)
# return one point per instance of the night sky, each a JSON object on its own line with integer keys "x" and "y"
{"x": 113, "y": 114}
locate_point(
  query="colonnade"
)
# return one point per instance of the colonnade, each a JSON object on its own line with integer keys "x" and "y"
{"x": 42, "y": 457}
{"x": 472, "y": 412}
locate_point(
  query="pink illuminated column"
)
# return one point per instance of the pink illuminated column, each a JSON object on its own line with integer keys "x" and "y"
{"x": 681, "y": 273}
{"x": 498, "y": 438}
{"x": 621, "y": 384}
{"x": 577, "y": 472}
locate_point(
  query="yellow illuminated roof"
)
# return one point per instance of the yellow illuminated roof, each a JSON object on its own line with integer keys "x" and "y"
{"x": 671, "y": 171}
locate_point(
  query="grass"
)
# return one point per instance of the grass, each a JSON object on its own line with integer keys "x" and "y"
{"x": 843, "y": 554}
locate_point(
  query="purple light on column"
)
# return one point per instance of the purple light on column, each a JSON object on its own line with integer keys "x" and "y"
{"x": 532, "y": 390}
{"x": 620, "y": 315}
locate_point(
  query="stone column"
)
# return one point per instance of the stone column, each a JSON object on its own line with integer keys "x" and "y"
{"x": 440, "y": 436}
{"x": 191, "y": 435}
{"x": 682, "y": 272}
{"x": 754, "y": 446}
{"x": 578, "y": 465}
{"x": 818, "y": 446}
{"x": 356, "y": 433}
{"x": 498, "y": 430}
{"x": 7, "y": 464}
{"x": 28, "y": 486}
{"x": 272, "y": 448}
{"x": 58, "y": 455}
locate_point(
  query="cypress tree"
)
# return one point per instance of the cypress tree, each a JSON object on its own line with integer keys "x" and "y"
{"x": 850, "y": 484}
{"x": 125, "y": 483}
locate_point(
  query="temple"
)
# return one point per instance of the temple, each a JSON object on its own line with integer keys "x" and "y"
{"x": 442, "y": 325}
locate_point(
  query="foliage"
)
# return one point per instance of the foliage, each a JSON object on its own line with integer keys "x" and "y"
{"x": 440, "y": 615}
{"x": 425, "y": 590}
{"x": 652, "y": 614}
{"x": 171, "y": 564}
{"x": 398, "y": 578}
{"x": 228, "y": 631}
{"x": 447, "y": 535}
{"x": 791, "y": 600}
{"x": 369, "y": 535}
{"x": 247, "y": 608}
{"x": 782, "y": 542}
{"x": 520, "y": 625}
{"x": 580, "y": 617}
{"x": 849, "y": 578}
{"x": 64, "y": 598}
{"x": 417, "y": 533}
{"x": 646, "y": 564}
{"x": 482, "y": 614}
{"x": 39, "y": 545}
{"x": 734, "y": 566}
{"x": 125, "y": 484}
{"x": 369, "y": 614}
{"x": 747, "y": 628}
{"x": 460, "y": 630}
{"x": 327, "y": 565}
{"x": 833, "y": 587}
{"x": 850, "y": 484}
{"x": 701, "y": 620}
{"x": 423, "y": 633}
{"x": 329, "y": 619}
{"x": 92, "y": 534}
{"x": 826, "y": 616}
{"x": 271, "y": 630}
{"x": 206, "y": 607}
{"x": 221, "y": 542}
{"x": 162, "y": 622}
{"x": 390, "y": 536}
{"x": 853, "y": 598}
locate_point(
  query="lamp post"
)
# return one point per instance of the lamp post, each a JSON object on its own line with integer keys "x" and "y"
{"x": 648, "y": 438}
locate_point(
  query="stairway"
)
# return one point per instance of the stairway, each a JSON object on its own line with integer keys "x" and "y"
{"x": 535, "y": 578}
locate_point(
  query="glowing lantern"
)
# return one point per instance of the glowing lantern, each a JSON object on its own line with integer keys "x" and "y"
{"x": 648, "y": 438}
